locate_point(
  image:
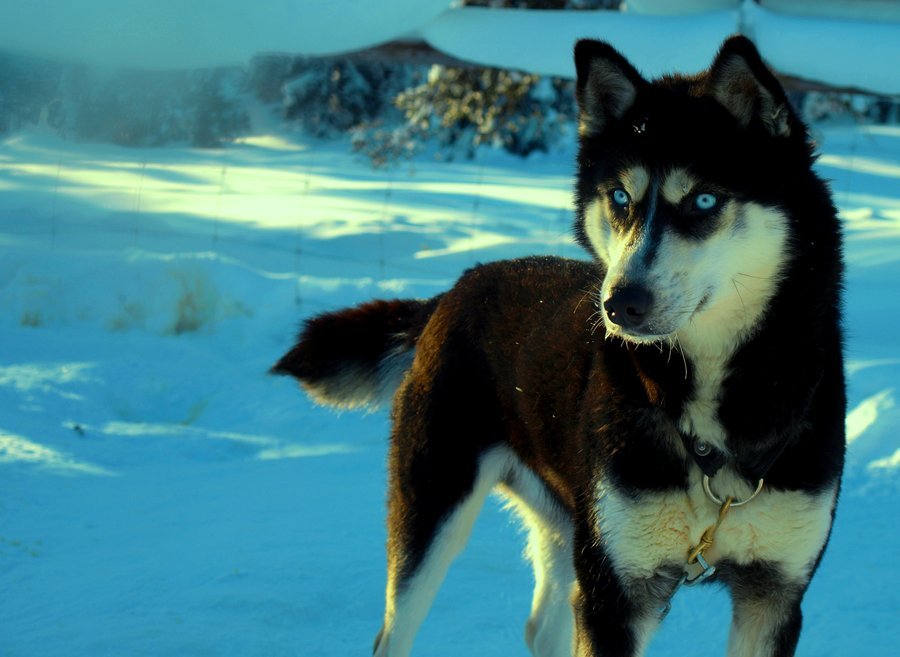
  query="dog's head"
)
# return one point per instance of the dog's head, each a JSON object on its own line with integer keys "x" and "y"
{"x": 680, "y": 189}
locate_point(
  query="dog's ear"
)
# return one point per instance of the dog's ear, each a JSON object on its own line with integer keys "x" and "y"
{"x": 607, "y": 85}
{"x": 740, "y": 81}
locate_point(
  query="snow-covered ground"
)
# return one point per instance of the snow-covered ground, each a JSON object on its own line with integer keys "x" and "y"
{"x": 161, "y": 495}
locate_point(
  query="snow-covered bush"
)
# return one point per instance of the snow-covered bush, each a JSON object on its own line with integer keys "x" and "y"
{"x": 329, "y": 97}
{"x": 464, "y": 108}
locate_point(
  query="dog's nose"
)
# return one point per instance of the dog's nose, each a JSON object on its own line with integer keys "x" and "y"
{"x": 627, "y": 306}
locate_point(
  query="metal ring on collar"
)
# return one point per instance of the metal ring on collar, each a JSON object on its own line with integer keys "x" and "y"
{"x": 712, "y": 496}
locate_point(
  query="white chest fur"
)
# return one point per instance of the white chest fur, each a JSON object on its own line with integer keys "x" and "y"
{"x": 787, "y": 528}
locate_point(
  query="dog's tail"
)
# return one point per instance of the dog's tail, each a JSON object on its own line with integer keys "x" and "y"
{"x": 357, "y": 356}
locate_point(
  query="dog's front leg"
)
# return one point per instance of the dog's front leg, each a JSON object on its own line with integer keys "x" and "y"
{"x": 611, "y": 627}
{"x": 767, "y": 618}
{"x": 615, "y": 616}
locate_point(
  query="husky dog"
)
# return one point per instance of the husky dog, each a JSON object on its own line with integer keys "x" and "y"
{"x": 668, "y": 413}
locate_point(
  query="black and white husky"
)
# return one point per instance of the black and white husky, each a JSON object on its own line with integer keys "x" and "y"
{"x": 671, "y": 412}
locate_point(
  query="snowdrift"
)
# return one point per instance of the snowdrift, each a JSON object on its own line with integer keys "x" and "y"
{"x": 170, "y": 34}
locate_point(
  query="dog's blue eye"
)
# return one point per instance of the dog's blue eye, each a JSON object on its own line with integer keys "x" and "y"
{"x": 621, "y": 197}
{"x": 705, "y": 202}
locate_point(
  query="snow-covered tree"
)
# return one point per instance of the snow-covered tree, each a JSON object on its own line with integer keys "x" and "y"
{"x": 151, "y": 108}
{"x": 29, "y": 91}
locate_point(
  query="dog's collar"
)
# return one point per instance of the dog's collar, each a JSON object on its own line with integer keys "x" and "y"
{"x": 709, "y": 459}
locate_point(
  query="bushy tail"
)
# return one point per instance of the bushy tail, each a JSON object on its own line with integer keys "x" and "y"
{"x": 357, "y": 356}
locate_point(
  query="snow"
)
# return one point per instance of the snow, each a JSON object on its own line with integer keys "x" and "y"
{"x": 861, "y": 54}
{"x": 507, "y": 38}
{"x": 861, "y": 418}
{"x": 172, "y": 34}
{"x": 847, "y": 53}
{"x": 161, "y": 495}
{"x": 179, "y": 35}
{"x": 666, "y": 7}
